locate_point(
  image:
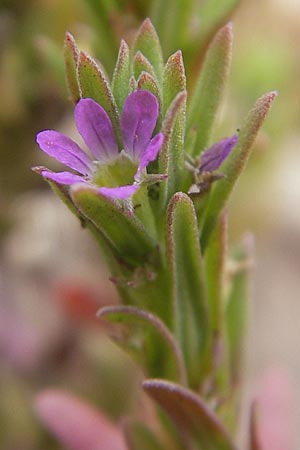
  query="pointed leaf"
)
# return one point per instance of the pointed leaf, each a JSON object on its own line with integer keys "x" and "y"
{"x": 138, "y": 437}
{"x": 71, "y": 55}
{"x": 215, "y": 258}
{"x": 171, "y": 155}
{"x": 172, "y": 21}
{"x": 174, "y": 80}
{"x": 141, "y": 64}
{"x": 234, "y": 164}
{"x": 147, "y": 42}
{"x": 200, "y": 427}
{"x": 118, "y": 225}
{"x": 93, "y": 84}
{"x": 148, "y": 321}
{"x": 120, "y": 83}
{"x": 236, "y": 309}
{"x": 187, "y": 281}
{"x": 207, "y": 96}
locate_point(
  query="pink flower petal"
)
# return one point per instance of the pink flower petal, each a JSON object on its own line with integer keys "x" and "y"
{"x": 67, "y": 178}
{"x": 64, "y": 150}
{"x": 96, "y": 130}
{"x": 138, "y": 119}
{"x": 150, "y": 153}
{"x": 213, "y": 157}
{"x": 75, "y": 424}
{"x": 118, "y": 193}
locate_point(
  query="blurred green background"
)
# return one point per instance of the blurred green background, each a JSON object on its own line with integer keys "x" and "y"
{"x": 50, "y": 287}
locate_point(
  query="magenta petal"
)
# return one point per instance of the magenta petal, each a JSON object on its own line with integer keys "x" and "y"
{"x": 96, "y": 130}
{"x": 64, "y": 150}
{"x": 150, "y": 153}
{"x": 62, "y": 177}
{"x": 213, "y": 157}
{"x": 137, "y": 122}
{"x": 77, "y": 425}
{"x": 119, "y": 193}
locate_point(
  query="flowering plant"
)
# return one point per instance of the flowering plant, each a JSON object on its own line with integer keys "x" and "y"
{"x": 152, "y": 190}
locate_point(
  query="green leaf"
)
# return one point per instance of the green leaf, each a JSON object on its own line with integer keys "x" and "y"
{"x": 187, "y": 283}
{"x": 199, "y": 426}
{"x": 171, "y": 18}
{"x": 147, "y": 42}
{"x": 93, "y": 84}
{"x": 234, "y": 164}
{"x": 208, "y": 93}
{"x": 141, "y": 64}
{"x": 149, "y": 83}
{"x": 214, "y": 14}
{"x": 71, "y": 55}
{"x": 151, "y": 325}
{"x": 171, "y": 155}
{"x": 138, "y": 436}
{"x": 215, "y": 258}
{"x": 174, "y": 79}
{"x": 118, "y": 224}
{"x": 120, "y": 82}
{"x": 236, "y": 309}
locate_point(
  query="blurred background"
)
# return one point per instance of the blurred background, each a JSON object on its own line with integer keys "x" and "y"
{"x": 52, "y": 280}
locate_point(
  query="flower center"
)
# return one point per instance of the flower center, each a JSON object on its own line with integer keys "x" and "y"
{"x": 118, "y": 172}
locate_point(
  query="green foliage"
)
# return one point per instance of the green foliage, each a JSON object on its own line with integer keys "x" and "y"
{"x": 166, "y": 246}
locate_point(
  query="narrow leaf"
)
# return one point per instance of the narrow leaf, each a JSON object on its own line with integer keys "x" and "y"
{"x": 174, "y": 79}
{"x": 124, "y": 231}
{"x": 236, "y": 309}
{"x": 147, "y": 42}
{"x": 171, "y": 156}
{"x": 138, "y": 436}
{"x": 93, "y": 84}
{"x": 200, "y": 427}
{"x": 71, "y": 55}
{"x": 141, "y": 64}
{"x": 207, "y": 96}
{"x": 234, "y": 164}
{"x": 146, "y": 320}
{"x": 214, "y": 270}
{"x": 120, "y": 82}
{"x": 187, "y": 281}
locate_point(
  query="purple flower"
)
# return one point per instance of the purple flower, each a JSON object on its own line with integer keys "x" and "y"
{"x": 212, "y": 158}
{"x": 115, "y": 174}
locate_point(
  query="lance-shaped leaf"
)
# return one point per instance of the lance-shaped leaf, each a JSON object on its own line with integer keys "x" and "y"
{"x": 208, "y": 92}
{"x": 199, "y": 426}
{"x": 236, "y": 309}
{"x": 214, "y": 270}
{"x": 187, "y": 282}
{"x": 215, "y": 258}
{"x": 234, "y": 164}
{"x": 165, "y": 343}
{"x": 214, "y": 14}
{"x": 174, "y": 80}
{"x": 171, "y": 19}
{"x": 141, "y": 64}
{"x": 120, "y": 82}
{"x": 149, "y": 83}
{"x": 93, "y": 84}
{"x": 123, "y": 230}
{"x": 138, "y": 436}
{"x": 71, "y": 55}
{"x": 171, "y": 155}
{"x": 148, "y": 44}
